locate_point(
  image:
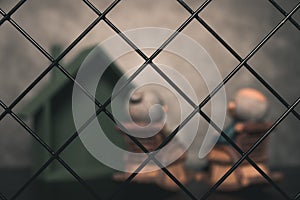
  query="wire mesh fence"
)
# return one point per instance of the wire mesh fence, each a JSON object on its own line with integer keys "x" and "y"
{"x": 148, "y": 61}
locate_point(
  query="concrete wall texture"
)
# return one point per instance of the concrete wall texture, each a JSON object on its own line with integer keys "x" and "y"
{"x": 241, "y": 23}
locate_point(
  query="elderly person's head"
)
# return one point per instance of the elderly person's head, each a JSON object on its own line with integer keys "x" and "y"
{"x": 248, "y": 105}
{"x": 146, "y": 107}
{"x": 146, "y": 114}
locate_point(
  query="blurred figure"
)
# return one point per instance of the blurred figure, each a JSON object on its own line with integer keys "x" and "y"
{"x": 147, "y": 123}
{"x": 247, "y": 110}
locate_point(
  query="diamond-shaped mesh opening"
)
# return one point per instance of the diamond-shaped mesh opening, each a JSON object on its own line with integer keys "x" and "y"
{"x": 281, "y": 134}
{"x": 41, "y": 19}
{"x": 99, "y": 33}
{"x": 17, "y": 52}
{"x": 98, "y": 176}
{"x": 168, "y": 13}
{"x": 8, "y": 5}
{"x": 244, "y": 49}
{"x": 218, "y": 14}
{"x": 13, "y": 174}
{"x": 221, "y": 56}
{"x": 276, "y": 57}
{"x": 12, "y": 137}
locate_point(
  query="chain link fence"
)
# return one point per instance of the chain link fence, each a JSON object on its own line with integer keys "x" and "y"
{"x": 287, "y": 15}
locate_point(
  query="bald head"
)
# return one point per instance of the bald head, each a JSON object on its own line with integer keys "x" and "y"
{"x": 146, "y": 107}
{"x": 249, "y": 105}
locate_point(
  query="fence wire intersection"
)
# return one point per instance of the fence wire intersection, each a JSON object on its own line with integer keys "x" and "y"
{"x": 148, "y": 61}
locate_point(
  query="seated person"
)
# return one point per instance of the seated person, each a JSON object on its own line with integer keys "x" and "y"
{"x": 147, "y": 112}
{"x": 247, "y": 111}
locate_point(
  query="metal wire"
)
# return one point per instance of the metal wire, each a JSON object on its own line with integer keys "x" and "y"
{"x": 238, "y": 149}
{"x": 12, "y": 11}
{"x": 61, "y": 56}
{"x": 155, "y": 54}
{"x": 54, "y": 156}
{"x": 255, "y": 145}
{"x": 276, "y": 5}
{"x": 239, "y": 58}
{"x": 8, "y": 110}
{"x": 148, "y": 61}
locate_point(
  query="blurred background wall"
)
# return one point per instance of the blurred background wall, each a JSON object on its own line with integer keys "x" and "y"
{"x": 241, "y": 23}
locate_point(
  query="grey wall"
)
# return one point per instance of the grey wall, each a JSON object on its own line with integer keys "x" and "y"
{"x": 241, "y": 23}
